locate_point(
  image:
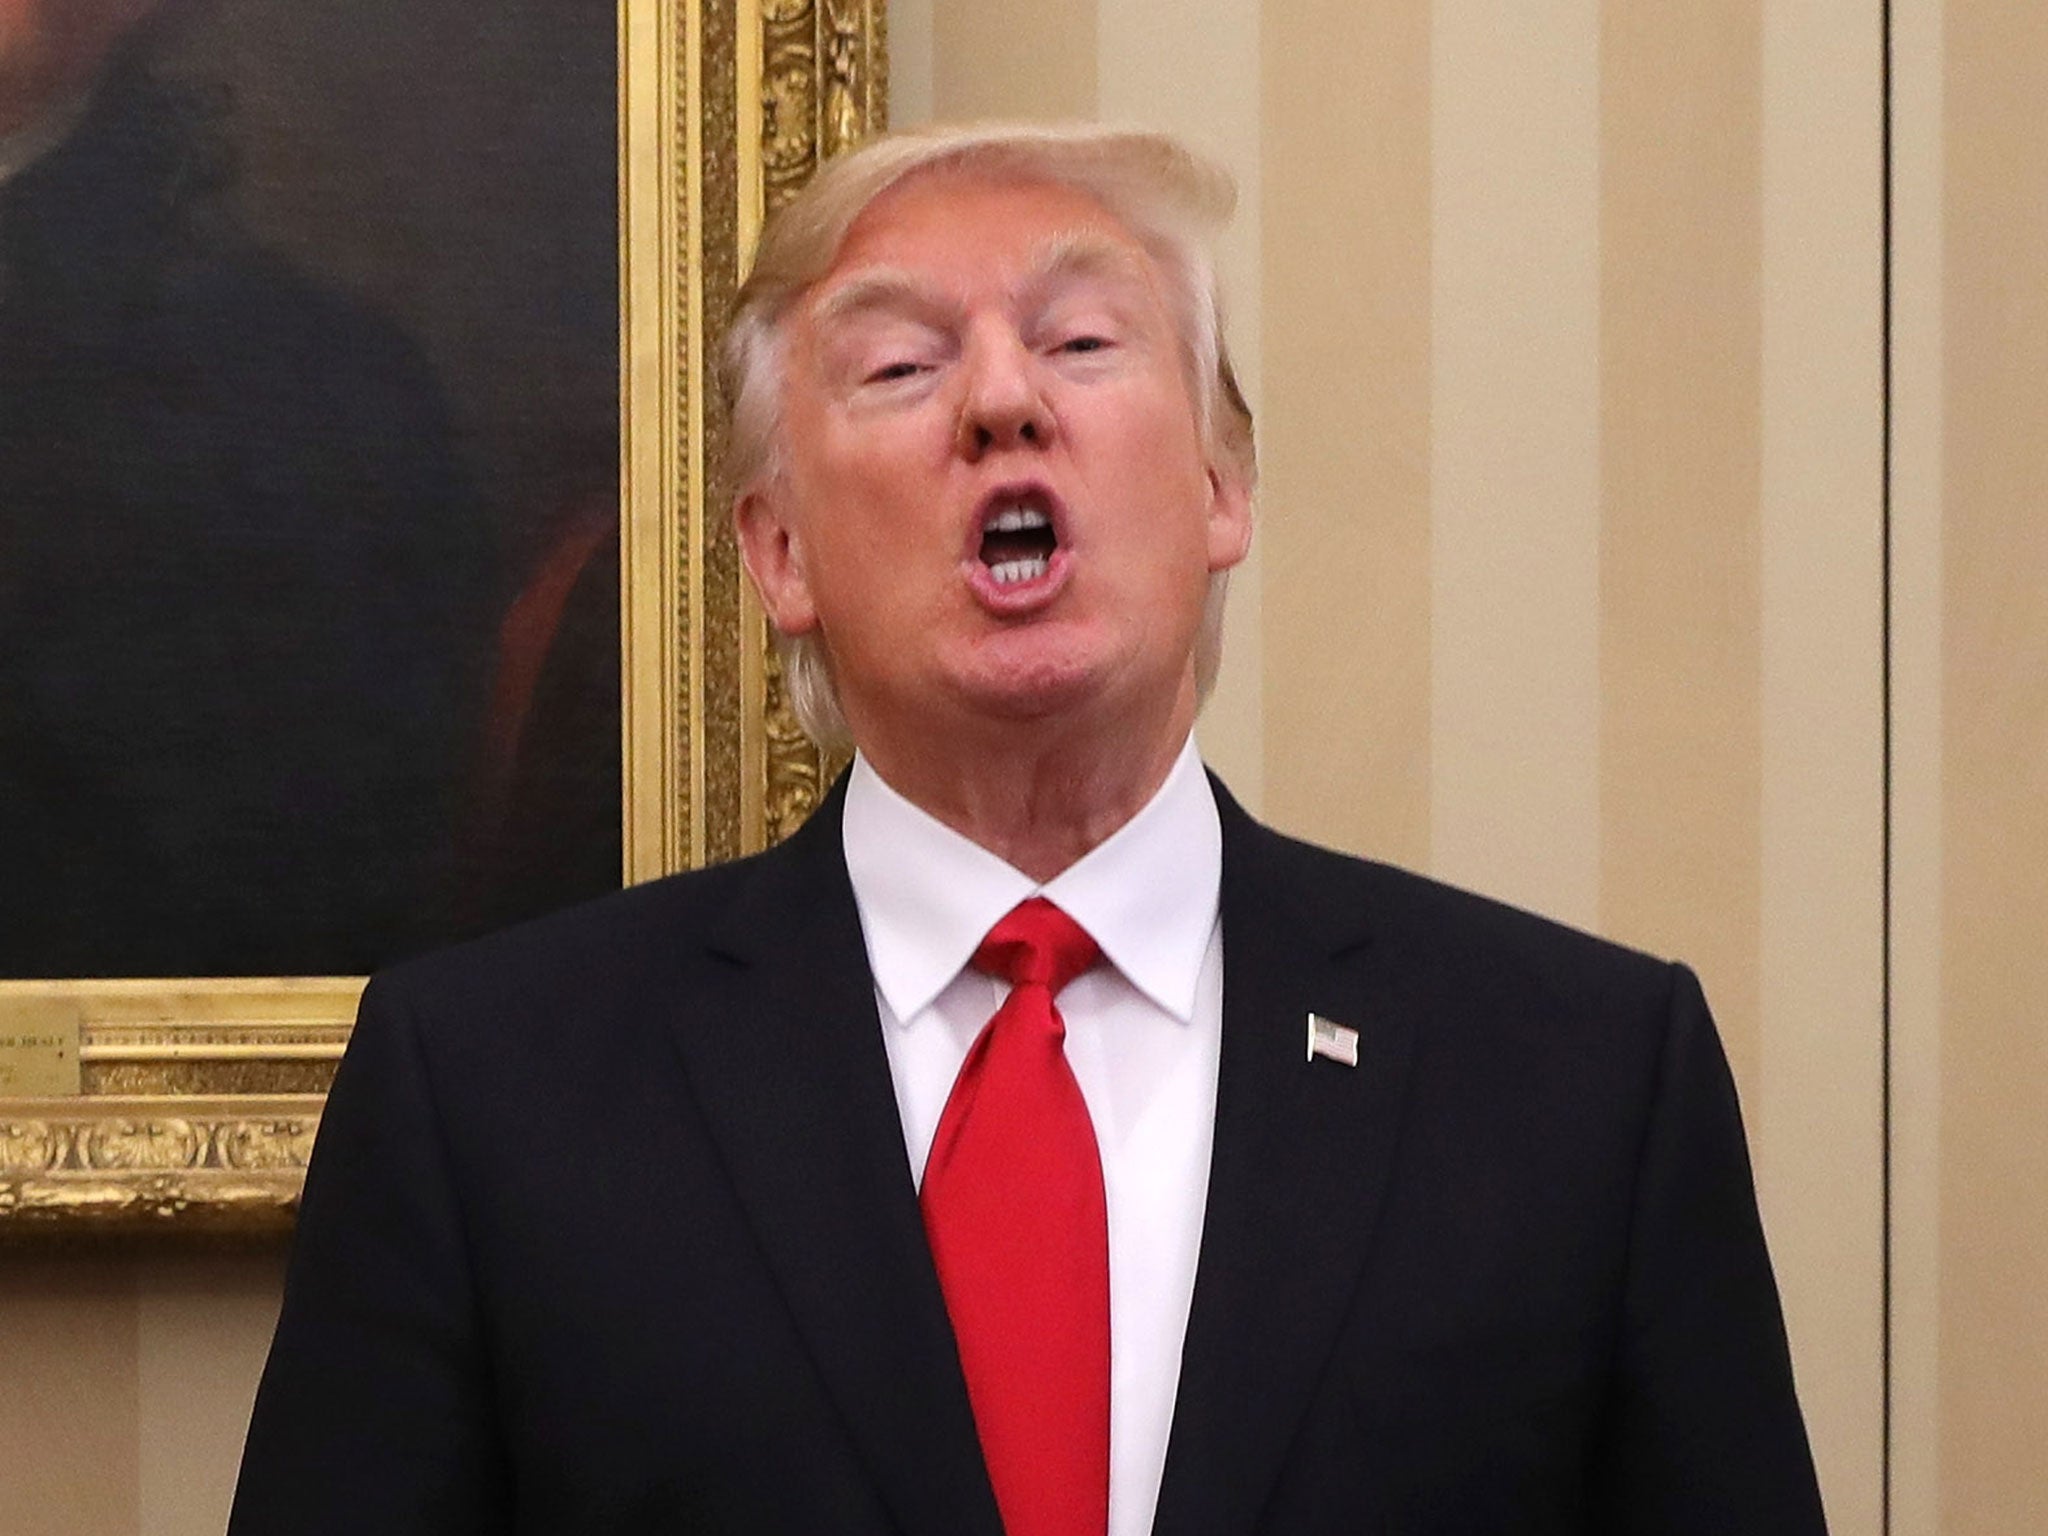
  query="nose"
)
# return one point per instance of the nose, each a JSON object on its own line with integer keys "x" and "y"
{"x": 1005, "y": 405}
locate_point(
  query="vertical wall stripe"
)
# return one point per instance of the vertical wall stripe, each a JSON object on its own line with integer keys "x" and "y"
{"x": 1994, "y": 1153}
{"x": 204, "y": 1329}
{"x": 68, "y": 1377}
{"x": 911, "y": 29}
{"x": 910, "y": 62}
{"x": 1817, "y": 1122}
{"x": 1515, "y": 93}
{"x": 1679, "y": 535}
{"x": 1916, "y": 737}
{"x": 1345, "y": 243}
{"x": 989, "y": 59}
{"x": 1190, "y": 67}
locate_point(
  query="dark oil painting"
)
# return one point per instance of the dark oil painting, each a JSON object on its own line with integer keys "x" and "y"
{"x": 308, "y": 478}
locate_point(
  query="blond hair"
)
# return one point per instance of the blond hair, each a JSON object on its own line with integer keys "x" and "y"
{"x": 1170, "y": 199}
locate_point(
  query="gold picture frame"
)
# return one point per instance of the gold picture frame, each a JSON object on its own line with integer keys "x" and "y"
{"x": 190, "y": 1106}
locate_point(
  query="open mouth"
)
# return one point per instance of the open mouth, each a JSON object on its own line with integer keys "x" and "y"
{"x": 1017, "y": 538}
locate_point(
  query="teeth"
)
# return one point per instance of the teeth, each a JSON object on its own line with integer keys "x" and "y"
{"x": 1015, "y": 519}
{"x": 1019, "y": 570}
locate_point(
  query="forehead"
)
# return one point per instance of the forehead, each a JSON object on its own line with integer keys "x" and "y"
{"x": 951, "y": 229}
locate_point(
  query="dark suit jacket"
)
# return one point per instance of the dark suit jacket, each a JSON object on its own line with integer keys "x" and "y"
{"x": 611, "y": 1229}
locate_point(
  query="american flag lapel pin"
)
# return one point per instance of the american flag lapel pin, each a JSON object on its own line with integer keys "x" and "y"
{"x": 1331, "y": 1040}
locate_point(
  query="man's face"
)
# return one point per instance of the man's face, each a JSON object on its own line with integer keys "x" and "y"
{"x": 51, "y": 49}
{"x": 993, "y": 501}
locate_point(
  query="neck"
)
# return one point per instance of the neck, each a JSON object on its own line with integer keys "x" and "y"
{"x": 1038, "y": 797}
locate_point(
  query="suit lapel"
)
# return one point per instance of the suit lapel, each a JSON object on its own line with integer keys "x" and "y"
{"x": 788, "y": 1067}
{"x": 1302, "y": 1153}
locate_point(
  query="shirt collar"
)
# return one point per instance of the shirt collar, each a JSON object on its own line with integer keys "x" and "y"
{"x": 1148, "y": 893}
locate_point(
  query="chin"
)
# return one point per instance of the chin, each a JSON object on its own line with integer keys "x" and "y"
{"x": 1076, "y": 698}
{"x": 1037, "y": 694}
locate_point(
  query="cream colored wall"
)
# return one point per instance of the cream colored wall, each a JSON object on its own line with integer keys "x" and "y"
{"x": 1970, "y": 741}
{"x": 1564, "y": 329}
{"x": 128, "y": 1382}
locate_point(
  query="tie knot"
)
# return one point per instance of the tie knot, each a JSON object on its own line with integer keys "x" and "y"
{"x": 1037, "y": 942}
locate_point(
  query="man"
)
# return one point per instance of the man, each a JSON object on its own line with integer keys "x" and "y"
{"x": 1327, "y": 1199}
{"x": 244, "y": 600}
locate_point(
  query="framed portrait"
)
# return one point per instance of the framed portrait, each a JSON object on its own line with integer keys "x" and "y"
{"x": 364, "y": 577}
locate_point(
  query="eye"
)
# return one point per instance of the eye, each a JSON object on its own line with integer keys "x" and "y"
{"x": 1085, "y": 344}
{"x": 889, "y": 373}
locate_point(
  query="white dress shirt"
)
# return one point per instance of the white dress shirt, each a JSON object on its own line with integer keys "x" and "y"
{"x": 1143, "y": 1035}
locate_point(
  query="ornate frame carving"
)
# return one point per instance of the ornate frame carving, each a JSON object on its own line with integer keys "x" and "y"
{"x": 200, "y": 1098}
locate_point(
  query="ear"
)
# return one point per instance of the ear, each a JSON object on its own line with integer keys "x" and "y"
{"x": 773, "y": 551}
{"x": 1230, "y": 518}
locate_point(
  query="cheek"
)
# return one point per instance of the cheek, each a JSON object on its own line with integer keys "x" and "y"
{"x": 856, "y": 554}
{"x": 887, "y": 484}
{"x": 1160, "y": 463}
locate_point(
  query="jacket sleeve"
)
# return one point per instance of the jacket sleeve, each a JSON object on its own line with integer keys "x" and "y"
{"x": 375, "y": 1411}
{"x": 1703, "y": 1432}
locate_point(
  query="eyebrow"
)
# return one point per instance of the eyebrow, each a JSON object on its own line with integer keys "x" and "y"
{"x": 1060, "y": 258}
{"x": 1082, "y": 253}
{"x": 878, "y": 288}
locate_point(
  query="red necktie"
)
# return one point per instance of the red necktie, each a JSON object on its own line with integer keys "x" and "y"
{"x": 1013, "y": 1207}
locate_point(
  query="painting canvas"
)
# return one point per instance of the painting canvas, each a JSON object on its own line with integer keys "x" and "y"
{"x": 363, "y": 578}
{"x": 309, "y": 447}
